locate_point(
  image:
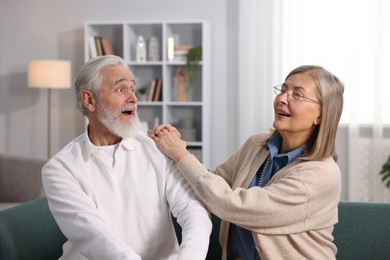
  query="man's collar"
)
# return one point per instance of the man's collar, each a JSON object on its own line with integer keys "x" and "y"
{"x": 128, "y": 144}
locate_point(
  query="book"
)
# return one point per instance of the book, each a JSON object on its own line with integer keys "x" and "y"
{"x": 160, "y": 96}
{"x": 152, "y": 90}
{"x": 98, "y": 42}
{"x": 92, "y": 47}
{"x": 107, "y": 46}
{"x": 158, "y": 92}
{"x": 180, "y": 52}
{"x": 184, "y": 47}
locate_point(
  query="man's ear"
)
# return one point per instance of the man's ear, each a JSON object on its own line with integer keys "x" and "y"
{"x": 89, "y": 101}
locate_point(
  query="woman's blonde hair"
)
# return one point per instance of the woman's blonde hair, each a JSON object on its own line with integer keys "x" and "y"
{"x": 330, "y": 90}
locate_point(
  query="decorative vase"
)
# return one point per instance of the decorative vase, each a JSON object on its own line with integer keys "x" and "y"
{"x": 181, "y": 84}
{"x": 153, "y": 51}
{"x": 142, "y": 97}
{"x": 141, "y": 49}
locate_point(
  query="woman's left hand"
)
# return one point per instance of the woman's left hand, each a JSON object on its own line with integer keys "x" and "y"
{"x": 168, "y": 140}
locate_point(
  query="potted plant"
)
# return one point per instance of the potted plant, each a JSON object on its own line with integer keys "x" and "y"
{"x": 194, "y": 56}
{"x": 385, "y": 172}
{"x": 142, "y": 93}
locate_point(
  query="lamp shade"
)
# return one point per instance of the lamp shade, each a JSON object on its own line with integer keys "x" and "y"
{"x": 49, "y": 74}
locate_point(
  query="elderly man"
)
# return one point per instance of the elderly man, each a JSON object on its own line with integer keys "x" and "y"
{"x": 111, "y": 190}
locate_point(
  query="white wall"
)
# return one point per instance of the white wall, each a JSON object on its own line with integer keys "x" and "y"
{"x": 44, "y": 29}
{"x": 41, "y": 29}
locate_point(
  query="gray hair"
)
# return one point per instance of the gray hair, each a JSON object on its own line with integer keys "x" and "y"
{"x": 89, "y": 76}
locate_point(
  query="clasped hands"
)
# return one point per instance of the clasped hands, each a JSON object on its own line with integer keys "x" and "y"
{"x": 168, "y": 140}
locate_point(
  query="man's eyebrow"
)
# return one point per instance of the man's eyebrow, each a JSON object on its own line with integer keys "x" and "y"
{"x": 116, "y": 82}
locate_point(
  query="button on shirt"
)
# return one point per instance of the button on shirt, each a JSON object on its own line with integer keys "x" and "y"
{"x": 120, "y": 208}
{"x": 241, "y": 240}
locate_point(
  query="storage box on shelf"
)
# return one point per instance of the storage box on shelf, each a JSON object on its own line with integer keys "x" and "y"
{"x": 165, "y": 108}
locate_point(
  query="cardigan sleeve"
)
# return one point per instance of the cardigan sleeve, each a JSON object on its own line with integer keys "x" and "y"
{"x": 300, "y": 197}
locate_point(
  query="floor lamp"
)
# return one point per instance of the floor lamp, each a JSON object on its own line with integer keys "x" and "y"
{"x": 49, "y": 74}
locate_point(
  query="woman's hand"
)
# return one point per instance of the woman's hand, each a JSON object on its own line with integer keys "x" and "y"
{"x": 168, "y": 140}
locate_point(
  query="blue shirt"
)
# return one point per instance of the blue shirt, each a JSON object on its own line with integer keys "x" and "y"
{"x": 240, "y": 239}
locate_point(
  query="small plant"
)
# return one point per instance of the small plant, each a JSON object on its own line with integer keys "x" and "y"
{"x": 142, "y": 90}
{"x": 385, "y": 172}
{"x": 141, "y": 93}
{"x": 194, "y": 56}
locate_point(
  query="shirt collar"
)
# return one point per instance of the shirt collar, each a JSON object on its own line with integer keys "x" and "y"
{"x": 128, "y": 144}
{"x": 273, "y": 145}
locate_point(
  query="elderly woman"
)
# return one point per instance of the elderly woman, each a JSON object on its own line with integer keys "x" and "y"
{"x": 278, "y": 194}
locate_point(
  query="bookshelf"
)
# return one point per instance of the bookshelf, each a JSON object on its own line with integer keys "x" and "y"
{"x": 191, "y": 116}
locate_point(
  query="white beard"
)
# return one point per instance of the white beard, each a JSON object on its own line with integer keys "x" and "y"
{"x": 112, "y": 122}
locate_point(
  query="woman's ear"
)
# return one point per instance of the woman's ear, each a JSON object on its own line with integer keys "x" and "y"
{"x": 317, "y": 121}
{"x": 89, "y": 101}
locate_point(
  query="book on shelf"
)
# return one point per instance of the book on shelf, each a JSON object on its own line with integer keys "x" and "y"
{"x": 99, "y": 47}
{"x": 152, "y": 90}
{"x": 180, "y": 52}
{"x": 92, "y": 47}
{"x": 158, "y": 90}
{"x": 107, "y": 46}
{"x": 184, "y": 47}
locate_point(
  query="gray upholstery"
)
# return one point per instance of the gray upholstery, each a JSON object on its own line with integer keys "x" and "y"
{"x": 20, "y": 179}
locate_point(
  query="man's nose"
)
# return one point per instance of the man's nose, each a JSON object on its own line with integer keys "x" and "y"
{"x": 132, "y": 97}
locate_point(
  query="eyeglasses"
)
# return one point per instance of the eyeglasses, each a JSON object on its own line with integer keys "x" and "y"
{"x": 294, "y": 94}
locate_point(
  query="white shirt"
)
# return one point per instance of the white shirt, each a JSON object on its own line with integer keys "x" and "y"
{"x": 120, "y": 208}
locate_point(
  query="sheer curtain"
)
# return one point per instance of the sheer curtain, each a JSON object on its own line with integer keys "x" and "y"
{"x": 350, "y": 38}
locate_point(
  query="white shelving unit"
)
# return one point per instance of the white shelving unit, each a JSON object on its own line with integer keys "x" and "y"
{"x": 124, "y": 35}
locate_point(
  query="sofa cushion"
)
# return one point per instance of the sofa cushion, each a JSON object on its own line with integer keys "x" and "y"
{"x": 20, "y": 178}
{"x": 7, "y": 205}
{"x": 363, "y": 231}
{"x": 29, "y": 232}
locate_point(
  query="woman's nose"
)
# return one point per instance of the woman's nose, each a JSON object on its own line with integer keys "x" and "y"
{"x": 284, "y": 97}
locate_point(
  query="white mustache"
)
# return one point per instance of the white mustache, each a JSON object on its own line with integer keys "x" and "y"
{"x": 129, "y": 107}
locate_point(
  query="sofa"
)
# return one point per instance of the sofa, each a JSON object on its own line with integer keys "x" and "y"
{"x": 20, "y": 179}
{"x": 29, "y": 231}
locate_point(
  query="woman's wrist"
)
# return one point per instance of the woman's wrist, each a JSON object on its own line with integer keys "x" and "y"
{"x": 180, "y": 155}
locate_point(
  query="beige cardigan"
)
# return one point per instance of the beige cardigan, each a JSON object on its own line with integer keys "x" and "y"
{"x": 291, "y": 218}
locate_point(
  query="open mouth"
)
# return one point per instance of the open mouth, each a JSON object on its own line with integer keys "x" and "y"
{"x": 283, "y": 113}
{"x": 128, "y": 112}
